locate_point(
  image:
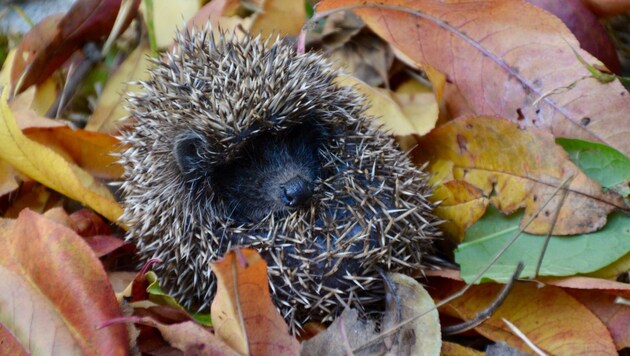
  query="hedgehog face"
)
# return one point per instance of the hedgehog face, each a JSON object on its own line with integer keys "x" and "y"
{"x": 273, "y": 173}
{"x": 239, "y": 142}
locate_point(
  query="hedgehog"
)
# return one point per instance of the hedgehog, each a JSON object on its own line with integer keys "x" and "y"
{"x": 240, "y": 141}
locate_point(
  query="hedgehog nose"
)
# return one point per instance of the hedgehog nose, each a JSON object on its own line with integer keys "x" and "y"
{"x": 296, "y": 191}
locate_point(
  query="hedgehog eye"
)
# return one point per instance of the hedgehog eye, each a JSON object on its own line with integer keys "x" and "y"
{"x": 188, "y": 150}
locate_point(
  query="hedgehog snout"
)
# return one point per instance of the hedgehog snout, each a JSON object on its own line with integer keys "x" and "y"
{"x": 297, "y": 191}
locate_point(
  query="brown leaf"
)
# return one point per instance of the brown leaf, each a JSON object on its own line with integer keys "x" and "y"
{"x": 551, "y": 318}
{"x": 518, "y": 168}
{"x": 60, "y": 37}
{"x": 10, "y": 343}
{"x": 586, "y": 27}
{"x": 508, "y": 58}
{"x": 58, "y": 284}
{"x": 615, "y": 316}
{"x": 242, "y": 312}
{"x": 350, "y": 334}
{"x": 453, "y": 349}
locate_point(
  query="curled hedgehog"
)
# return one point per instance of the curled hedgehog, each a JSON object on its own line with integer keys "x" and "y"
{"x": 243, "y": 142}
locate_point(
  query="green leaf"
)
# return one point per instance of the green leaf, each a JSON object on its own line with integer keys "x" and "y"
{"x": 565, "y": 256}
{"x": 604, "y": 164}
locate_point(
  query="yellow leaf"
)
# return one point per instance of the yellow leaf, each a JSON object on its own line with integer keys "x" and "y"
{"x": 168, "y": 16}
{"x": 110, "y": 106}
{"x": 402, "y": 115}
{"x": 47, "y": 167}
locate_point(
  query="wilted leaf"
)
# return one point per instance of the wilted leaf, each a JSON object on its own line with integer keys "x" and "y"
{"x": 47, "y": 167}
{"x": 565, "y": 256}
{"x": 586, "y": 27}
{"x": 606, "y": 165}
{"x": 615, "y": 316}
{"x": 110, "y": 107}
{"x": 410, "y": 299}
{"x": 519, "y": 168}
{"x": 242, "y": 312}
{"x": 10, "y": 344}
{"x": 30, "y": 47}
{"x": 350, "y": 334}
{"x": 453, "y": 349}
{"x": 551, "y": 318}
{"x": 57, "y": 38}
{"x": 58, "y": 284}
{"x": 417, "y": 114}
{"x": 272, "y": 19}
{"x": 168, "y": 16}
{"x": 8, "y": 181}
{"x": 462, "y": 204}
{"x": 92, "y": 151}
{"x": 33, "y": 196}
{"x": 508, "y": 58}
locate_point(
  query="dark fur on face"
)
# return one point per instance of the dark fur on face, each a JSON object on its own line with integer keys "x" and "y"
{"x": 275, "y": 172}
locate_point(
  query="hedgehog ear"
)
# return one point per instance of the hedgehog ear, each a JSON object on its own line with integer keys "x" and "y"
{"x": 188, "y": 150}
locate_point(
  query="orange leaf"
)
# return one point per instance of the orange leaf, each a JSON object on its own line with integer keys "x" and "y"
{"x": 508, "y": 58}
{"x": 551, "y": 318}
{"x": 519, "y": 168}
{"x": 55, "y": 283}
{"x": 242, "y": 312}
{"x": 462, "y": 204}
{"x": 49, "y": 168}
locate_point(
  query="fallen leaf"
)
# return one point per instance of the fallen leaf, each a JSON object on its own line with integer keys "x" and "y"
{"x": 417, "y": 116}
{"x": 586, "y": 27}
{"x": 72, "y": 298}
{"x": 47, "y": 167}
{"x": 606, "y": 8}
{"x": 564, "y": 256}
{"x": 615, "y": 316}
{"x": 508, "y": 58}
{"x": 55, "y": 39}
{"x": 604, "y": 164}
{"x": 33, "y": 196}
{"x": 110, "y": 107}
{"x": 518, "y": 168}
{"x": 10, "y": 343}
{"x": 453, "y": 349}
{"x": 272, "y": 19}
{"x": 168, "y": 16}
{"x": 462, "y": 204}
{"x": 613, "y": 270}
{"x": 351, "y": 334}
{"x": 92, "y": 151}
{"x": 550, "y": 317}
{"x": 409, "y": 300}
{"x": 8, "y": 178}
{"x": 242, "y": 312}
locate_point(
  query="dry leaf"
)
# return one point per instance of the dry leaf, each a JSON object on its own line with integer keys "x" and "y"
{"x": 518, "y": 168}
{"x": 190, "y": 338}
{"x": 58, "y": 284}
{"x": 110, "y": 107}
{"x": 399, "y": 119}
{"x": 550, "y": 317}
{"x": 92, "y": 151}
{"x": 508, "y": 58}
{"x": 272, "y": 18}
{"x": 168, "y": 16}
{"x": 462, "y": 204}
{"x": 47, "y": 167}
{"x": 242, "y": 312}
{"x": 349, "y": 334}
